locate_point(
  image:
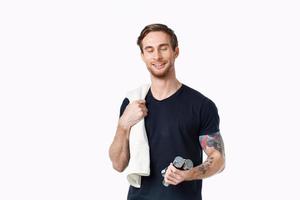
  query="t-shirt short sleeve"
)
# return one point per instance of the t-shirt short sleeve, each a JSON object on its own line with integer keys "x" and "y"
{"x": 209, "y": 118}
{"x": 123, "y": 106}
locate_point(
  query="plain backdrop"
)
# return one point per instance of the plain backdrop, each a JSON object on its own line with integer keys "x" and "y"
{"x": 65, "y": 67}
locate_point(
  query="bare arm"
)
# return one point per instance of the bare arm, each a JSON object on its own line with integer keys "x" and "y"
{"x": 213, "y": 146}
{"x": 119, "y": 149}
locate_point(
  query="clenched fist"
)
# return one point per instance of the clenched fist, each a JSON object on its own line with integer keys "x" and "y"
{"x": 133, "y": 113}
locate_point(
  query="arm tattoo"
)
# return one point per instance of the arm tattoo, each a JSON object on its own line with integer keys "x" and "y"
{"x": 213, "y": 140}
{"x": 206, "y": 165}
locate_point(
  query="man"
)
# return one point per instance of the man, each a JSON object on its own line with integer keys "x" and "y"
{"x": 179, "y": 121}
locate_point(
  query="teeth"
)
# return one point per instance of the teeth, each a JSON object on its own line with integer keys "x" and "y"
{"x": 158, "y": 65}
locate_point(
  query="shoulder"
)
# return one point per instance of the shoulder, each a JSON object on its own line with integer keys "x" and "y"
{"x": 197, "y": 98}
{"x": 194, "y": 94}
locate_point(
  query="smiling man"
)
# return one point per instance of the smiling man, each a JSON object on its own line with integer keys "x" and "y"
{"x": 179, "y": 121}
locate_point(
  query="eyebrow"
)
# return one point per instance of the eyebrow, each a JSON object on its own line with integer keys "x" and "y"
{"x": 161, "y": 45}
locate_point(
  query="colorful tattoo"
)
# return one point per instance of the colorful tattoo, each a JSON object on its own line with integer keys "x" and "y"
{"x": 213, "y": 140}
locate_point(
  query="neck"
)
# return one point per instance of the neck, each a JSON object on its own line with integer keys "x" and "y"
{"x": 163, "y": 88}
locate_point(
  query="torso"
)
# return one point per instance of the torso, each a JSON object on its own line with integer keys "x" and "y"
{"x": 173, "y": 126}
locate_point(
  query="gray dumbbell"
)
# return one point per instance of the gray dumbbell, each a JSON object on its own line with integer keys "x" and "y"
{"x": 179, "y": 163}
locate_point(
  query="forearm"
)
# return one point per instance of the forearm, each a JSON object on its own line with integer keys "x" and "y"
{"x": 119, "y": 149}
{"x": 212, "y": 165}
{"x": 213, "y": 146}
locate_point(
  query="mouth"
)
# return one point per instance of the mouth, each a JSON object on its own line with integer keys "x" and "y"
{"x": 158, "y": 65}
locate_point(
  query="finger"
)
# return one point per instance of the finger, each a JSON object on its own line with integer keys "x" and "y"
{"x": 172, "y": 168}
{"x": 172, "y": 180}
{"x": 141, "y": 101}
{"x": 145, "y": 110}
{"x": 176, "y": 173}
{"x": 172, "y": 176}
{"x": 137, "y": 102}
{"x": 171, "y": 173}
{"x": 142, "y": 106}
{"x": 145, "y": 114}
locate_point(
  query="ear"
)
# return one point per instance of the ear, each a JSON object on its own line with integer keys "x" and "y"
{"x": 176, "y": 52}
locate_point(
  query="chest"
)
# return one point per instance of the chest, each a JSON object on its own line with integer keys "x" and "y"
{"x": 166, "y": 121}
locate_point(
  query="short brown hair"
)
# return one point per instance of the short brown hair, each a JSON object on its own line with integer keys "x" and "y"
{"x": 157, "y": 27}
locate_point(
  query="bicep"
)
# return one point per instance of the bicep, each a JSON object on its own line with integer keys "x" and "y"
{"x": 212, "y": 143}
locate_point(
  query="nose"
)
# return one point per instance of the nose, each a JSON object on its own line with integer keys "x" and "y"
{"x": 157, "y": 55}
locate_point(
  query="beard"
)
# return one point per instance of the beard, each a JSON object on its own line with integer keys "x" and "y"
{"x": 161, "y": 73}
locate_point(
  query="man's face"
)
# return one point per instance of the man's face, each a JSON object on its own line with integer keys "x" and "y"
{"x": 158, "y": 53}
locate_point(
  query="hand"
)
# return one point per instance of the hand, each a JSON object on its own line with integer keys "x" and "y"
{"x": 175, "y": 176}
{"x": 133, "y": 113}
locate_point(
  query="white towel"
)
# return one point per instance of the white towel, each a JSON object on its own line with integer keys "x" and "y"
{"x": 139, "y": 163}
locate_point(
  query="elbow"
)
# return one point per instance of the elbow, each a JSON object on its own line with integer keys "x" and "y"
{"x": 119, "y": 163}
{"x": 222, "y": 167}
{"x": 119, "y": 167}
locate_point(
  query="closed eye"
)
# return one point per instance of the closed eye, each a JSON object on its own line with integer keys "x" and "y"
{"x": 149, "y": 49}
{"x": 164, "y": 47}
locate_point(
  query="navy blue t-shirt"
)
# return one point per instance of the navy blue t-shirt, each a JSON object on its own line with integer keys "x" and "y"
{"x": 173, "y": 128}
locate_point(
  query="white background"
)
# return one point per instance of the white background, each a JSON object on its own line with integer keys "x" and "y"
{"x": 66, "y": 66}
